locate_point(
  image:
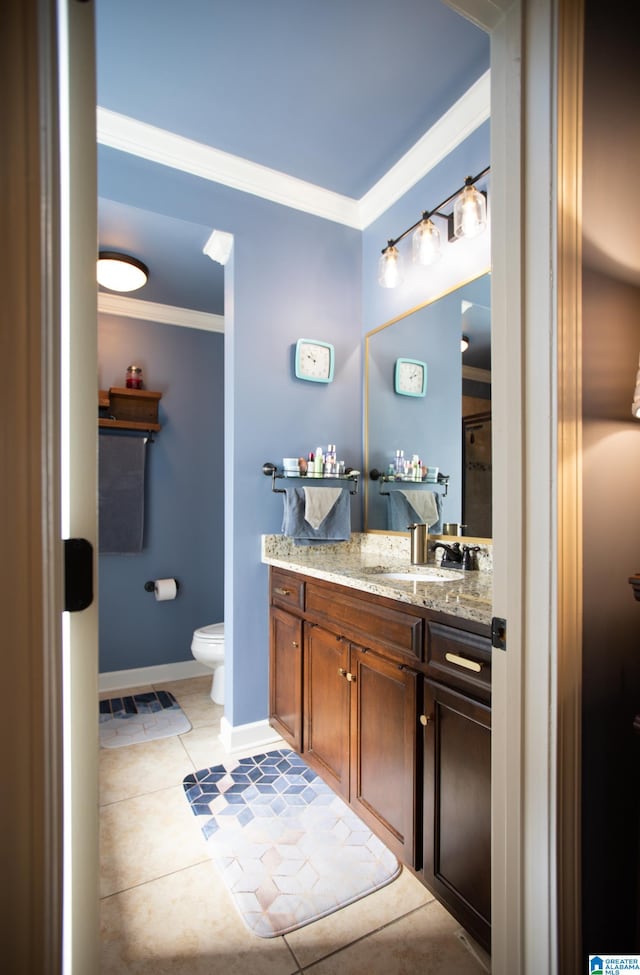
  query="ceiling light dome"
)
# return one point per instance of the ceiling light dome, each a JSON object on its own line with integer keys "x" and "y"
{"x": 119, "y": 272}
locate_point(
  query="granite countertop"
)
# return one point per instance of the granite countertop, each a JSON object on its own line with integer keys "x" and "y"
{"x": 359, "y": 562}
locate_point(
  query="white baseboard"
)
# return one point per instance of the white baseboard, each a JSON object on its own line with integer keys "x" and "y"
{"x": 247, "y": 737}
{"x": 118, "y": 680}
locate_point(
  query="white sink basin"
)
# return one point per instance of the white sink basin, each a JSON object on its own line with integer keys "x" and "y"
{"x": 421, "y": 575}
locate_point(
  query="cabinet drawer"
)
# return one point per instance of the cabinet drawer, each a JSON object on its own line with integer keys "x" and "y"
{"x": 365, "y": 621}
{"x": 459, "y": 657}
{"x": 287, "y": 590}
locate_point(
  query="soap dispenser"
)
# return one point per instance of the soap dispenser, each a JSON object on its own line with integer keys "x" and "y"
{"x": 419, "y": 543}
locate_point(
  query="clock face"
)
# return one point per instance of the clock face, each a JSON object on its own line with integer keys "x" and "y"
{"x": 314, "y": 360}
{"x": 411, "y": 377}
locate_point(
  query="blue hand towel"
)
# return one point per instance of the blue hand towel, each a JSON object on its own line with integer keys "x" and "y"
{"x": 335, "y": 527}
{"x": 402, "y": 513}
{"x": 121, "y": 494}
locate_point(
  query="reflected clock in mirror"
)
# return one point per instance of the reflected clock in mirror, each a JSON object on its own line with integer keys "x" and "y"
{"x": 432, "y": 424}
{"x": 411, "y": 377}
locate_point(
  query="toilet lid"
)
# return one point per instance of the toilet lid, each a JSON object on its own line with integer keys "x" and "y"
{"x": 213, "y": 633}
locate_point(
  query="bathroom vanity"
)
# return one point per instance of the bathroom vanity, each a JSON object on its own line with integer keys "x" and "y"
{"x": 384, "y": 686}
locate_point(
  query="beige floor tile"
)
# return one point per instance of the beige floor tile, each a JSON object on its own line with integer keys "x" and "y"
{"x": 127, "y": 692}
{"x": 422, "y": 942}
{"x": 184, "y": 924}
{"x": 134, "y": 770}
{"x": 317, "y": 940}
{"x": 193, "y": 697}
{"x": 147, "y": 837}
{"x": 203, "y": 746}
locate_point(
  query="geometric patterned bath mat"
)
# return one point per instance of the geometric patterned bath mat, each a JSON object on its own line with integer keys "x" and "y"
{"x": 288, "y": 848}
{"x": 140, "y": 717}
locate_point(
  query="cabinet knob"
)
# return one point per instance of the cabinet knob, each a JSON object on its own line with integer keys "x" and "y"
{"x": 351, "y": 677}
{"x": 425, "y": 719}
{"x": 294, "y": 643}
{"x": 342, "y": 671}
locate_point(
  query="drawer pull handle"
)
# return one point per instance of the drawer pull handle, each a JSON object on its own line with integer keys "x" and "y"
{"x": 425, "y": 719}
{"x": 282, "y": 592}
{"x": 453, "y": 658}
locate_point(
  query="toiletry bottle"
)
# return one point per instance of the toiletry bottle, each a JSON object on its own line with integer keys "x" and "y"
{"x": 319, "y": 462}
{"x": 400, "y": 463}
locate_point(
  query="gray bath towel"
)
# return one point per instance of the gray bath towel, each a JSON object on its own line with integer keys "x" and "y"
{"x": 121, "y": 493}
{"x": 335, "y": 526}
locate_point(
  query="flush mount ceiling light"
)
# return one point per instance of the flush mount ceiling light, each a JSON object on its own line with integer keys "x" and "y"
{"x": 469, "y": 218}
{"x": 464, "y": 343}
{"x": 119, "y": 272}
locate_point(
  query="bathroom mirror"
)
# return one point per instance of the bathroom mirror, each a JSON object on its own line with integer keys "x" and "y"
{"x": 449, "y": 427}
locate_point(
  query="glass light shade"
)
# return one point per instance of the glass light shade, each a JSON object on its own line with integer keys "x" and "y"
{"x": 426, "y": 243}
{"x": 464, "y": 343}
{"x": 469, "y": 213}
{"x": 117, "y": 272}
{"x": 635, "y": 406}
{"x": 389, "y": 270}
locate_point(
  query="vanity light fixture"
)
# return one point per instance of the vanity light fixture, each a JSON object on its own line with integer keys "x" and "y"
{"x": 469, "y": 218}
{"x": 464, "y": 343}
{"x": 389, "y": 272}
{"x": 635, "y": 406}
{"x": 119, "y": 272}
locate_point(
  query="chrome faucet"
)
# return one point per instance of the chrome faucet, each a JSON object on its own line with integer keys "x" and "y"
{"x": 453, "y": 556}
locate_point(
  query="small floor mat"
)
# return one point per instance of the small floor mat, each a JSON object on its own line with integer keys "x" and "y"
{"x": 140, "y": 717}
{"x": 288, "y": 848}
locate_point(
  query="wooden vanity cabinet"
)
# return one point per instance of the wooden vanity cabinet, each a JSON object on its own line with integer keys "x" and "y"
{"x": 456, "y": 824}
{"x": 285, "y": 676}
{"x": 360, "y": 732}
{"x": 390, "y": 705}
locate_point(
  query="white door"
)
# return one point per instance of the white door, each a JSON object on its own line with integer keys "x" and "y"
{"x": 78, "y": 464}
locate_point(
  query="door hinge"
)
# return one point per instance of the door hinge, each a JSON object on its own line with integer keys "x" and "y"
{"x": 78, "y": 574}
{"x": 499, "y": 633}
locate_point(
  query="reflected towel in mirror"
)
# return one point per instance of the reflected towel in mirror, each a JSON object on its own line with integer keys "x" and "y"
{"x": 409, "y": 507}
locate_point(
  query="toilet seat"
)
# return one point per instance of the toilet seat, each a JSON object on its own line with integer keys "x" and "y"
{"x": 214, "y": 633}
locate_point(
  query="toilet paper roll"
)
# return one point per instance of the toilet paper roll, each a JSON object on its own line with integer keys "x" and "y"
{"x": 165, "y": 589}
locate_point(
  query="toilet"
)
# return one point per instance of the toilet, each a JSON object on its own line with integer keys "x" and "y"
{"x": 207, "y": 646}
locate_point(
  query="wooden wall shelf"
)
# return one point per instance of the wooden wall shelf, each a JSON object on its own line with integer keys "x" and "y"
{"x": 129, "y": 409}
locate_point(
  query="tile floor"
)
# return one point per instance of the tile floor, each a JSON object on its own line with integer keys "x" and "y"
{"x": 165, "y": 910}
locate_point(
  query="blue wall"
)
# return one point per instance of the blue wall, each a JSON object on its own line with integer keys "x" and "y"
{"x": 184, "y": 502}
{"x": 291, "y": 275}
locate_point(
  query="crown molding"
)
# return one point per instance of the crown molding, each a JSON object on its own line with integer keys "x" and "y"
{"x": 151, "y": 311}
{"x": 157, "y": 145}
{"x": 467, "y": 114}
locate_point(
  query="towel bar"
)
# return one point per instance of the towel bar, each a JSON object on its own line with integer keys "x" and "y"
{"x": 270, "y": 470}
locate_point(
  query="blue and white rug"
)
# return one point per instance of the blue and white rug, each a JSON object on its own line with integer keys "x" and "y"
{"x": 141, "y": 717}
{"x": 288, "y": 848}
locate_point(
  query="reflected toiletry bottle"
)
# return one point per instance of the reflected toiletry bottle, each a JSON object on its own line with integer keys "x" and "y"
{"x": 319, "y": 462}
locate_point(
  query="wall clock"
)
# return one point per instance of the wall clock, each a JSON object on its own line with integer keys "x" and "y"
{"x": 314, "y": 360}
{"x": 411, "y": 377}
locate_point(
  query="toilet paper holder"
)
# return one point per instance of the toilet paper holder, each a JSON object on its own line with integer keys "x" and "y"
{"x": 150, "y": 586}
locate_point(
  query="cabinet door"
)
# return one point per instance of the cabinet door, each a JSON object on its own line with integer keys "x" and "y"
{"x": 285, "y": 676}
{"x": 326, "y": 706}
{"x": 457, "y": 806}
{"x": 383, "y": 749}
